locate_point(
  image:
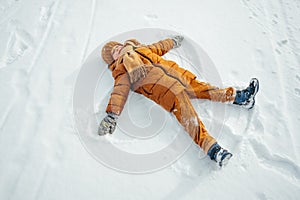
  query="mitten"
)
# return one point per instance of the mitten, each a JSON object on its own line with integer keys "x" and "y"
{"x": 177, "y": 40}
{"x": 108, "y": 124}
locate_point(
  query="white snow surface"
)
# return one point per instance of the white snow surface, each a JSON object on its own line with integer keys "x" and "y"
{"x": 43, "y": 45}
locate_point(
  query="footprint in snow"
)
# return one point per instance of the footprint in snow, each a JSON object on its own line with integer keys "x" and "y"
{"x": 19, "y": 41}
{"x": 151, "y": 17}
{"x": 297, "y": 92}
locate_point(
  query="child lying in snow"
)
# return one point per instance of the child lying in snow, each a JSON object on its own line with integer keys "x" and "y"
{"x": 142, "y": 69}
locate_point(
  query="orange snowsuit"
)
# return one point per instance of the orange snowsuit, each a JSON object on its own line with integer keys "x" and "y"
{"x": 170, "y": 86}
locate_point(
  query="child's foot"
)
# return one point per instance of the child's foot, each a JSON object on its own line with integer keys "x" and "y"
{"x": 246, "y": 97}
{"x": 218, "y": 154}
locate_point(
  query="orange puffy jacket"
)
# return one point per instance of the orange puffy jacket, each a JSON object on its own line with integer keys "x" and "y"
{"x": 165, "y": 79}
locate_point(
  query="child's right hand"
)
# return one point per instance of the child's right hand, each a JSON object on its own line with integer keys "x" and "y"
{"x": 108, "y": 124}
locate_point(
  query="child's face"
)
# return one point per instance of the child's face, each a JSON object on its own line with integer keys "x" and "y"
{"x": 116, "y": 51}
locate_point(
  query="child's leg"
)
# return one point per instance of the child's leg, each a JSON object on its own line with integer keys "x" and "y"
{"x": 188, "y": 118}
{"x": 202, "y": 90}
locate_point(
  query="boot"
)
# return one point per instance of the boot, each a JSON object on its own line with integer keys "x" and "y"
{"x": 246, "y": 97}
{"x": 219, "y": 155}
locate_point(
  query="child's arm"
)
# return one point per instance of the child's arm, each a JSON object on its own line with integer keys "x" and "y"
{"x": 117, "y": 100}
{"x": 120, "y": 92}
{"x": 162, "y": 47}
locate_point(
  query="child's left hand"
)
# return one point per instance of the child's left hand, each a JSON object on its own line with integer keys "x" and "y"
{"x": 177, "y": 40}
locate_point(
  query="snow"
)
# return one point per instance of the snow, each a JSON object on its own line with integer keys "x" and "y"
{"x": 45, "y": 43}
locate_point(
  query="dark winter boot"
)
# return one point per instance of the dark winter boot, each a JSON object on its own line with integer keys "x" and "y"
{"x": 246, "y": 97}
{"x": 218, "y": 154}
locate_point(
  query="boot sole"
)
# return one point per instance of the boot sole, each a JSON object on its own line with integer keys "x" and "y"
{"x": 225, "y": 159}
{"x": 252, "y": 98}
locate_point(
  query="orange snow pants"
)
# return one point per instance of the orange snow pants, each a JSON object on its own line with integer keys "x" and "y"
{"x": 187, "y": 116}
